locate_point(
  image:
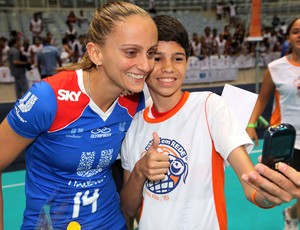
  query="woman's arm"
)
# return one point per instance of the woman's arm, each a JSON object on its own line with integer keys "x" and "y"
{"x": 12, "y": 145}
{"x": 265, "y": 93}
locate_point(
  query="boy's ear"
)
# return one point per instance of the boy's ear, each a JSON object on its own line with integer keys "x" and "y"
{"x": 94, "y": 53}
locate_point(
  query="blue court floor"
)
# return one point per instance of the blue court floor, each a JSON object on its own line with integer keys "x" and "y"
{"x": 242, "y": 215}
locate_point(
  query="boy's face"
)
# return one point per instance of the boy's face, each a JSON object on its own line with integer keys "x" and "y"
{"x": 169, "y": 70}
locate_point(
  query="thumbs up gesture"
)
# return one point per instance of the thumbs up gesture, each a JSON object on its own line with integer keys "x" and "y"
{"x": 153, "y": 148}
{"x": 154, "y": 165}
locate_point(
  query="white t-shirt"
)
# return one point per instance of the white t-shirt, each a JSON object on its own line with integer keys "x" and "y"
{"x": 192, "y": 194}
{"x": 36, "y": 25}
{"x": 286, "y": 77}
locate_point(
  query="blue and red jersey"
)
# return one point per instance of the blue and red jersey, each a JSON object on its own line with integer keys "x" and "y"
{"x": 68, "y": 165}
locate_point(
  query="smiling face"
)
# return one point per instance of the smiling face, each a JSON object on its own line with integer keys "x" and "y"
{"x": 294, "y": 36}
{"x": 166, "y": 79}
{"x": 128, "y": 53}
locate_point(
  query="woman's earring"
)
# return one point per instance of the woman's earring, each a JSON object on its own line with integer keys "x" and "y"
{"x": 97, "y": 66}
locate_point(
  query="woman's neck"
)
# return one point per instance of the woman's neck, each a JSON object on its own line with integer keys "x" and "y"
{"x": 295, "y": 57}
{"x": 100, "y": 90}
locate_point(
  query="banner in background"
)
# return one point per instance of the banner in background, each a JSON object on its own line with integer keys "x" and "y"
{"x": 255, "y": 25}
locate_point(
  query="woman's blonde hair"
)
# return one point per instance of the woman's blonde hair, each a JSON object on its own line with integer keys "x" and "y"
{"x": 102, "y": 24}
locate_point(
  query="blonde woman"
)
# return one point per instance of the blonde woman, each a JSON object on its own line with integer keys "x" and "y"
{"x": 71, "y": 124}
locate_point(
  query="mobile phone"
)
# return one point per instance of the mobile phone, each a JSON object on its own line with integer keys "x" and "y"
{"x": 278, "y": 145}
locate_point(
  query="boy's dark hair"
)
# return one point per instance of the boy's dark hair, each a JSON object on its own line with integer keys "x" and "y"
{"x": 170, "y": 29}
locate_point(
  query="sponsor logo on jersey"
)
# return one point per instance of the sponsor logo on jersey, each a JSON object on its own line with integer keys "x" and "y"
{"x": 75, "y": 133}
{"x": 122, "y": 126}
{"x": 91, "y": 164}
{"x": 67, "y": 95}
{"x": 88, "y": 160}
{"x": 25, "y": 105}
{"x": 178, "y": 170}
{"x": 101, "y": 133}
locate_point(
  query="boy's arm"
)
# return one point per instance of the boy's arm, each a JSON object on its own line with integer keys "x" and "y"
{"x": 264, "y": 193}
{"x": 285, "y": 184}
{"x": 132, "y": 192}
{"x": 152, "y": 166}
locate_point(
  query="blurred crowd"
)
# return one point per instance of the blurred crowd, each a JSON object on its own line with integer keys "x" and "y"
{"x": 41, "y": 54}
{"x": 233, "y": 40}
{"x": 70, "y": 46}
{"x": 45, "y": 53}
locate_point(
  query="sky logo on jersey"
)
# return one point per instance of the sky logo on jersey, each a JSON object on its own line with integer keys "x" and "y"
{"x": 66, "y": 95}
{"x": 178, "y": 167}
{"x": 100, "y": 133}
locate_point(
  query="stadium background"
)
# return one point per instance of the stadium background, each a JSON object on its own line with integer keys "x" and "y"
{"x": 195, "y": 15}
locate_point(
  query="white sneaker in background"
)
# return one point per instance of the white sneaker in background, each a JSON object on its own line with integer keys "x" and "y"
{"x": 289, "y": 223}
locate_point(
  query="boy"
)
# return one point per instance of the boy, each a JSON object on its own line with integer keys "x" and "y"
{"x": 178, "y": 177}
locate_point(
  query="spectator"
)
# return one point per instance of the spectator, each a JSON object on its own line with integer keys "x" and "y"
{"x": 282, "y": 79}
{"x": 4, "y": 48}
{"x": 226, "y": 32}
{"x": 36, "y": 26}
{"x": 215, "y": 45}
{"x": 70, "y": 31}
{"x": 34, "y": 49}
{"x": 206, "y": 42}
{"x": 228, "y": 49}
{"x": 76, "y": 48}
{"x": 152, "y": 7}
{"x": 48, "y": 59}
{"x": 275, "y": 21}
{"x": 15, "y": 34}
{"x": 67, "y": 53}
{"x": 83, "y": 41}
{"x": 238, "y": 38}
{"x": 221, "y": 43}
{"x": 18, "y": 67}
{"x": 232, "y": 13}
{"x": 196, "y": 45}
{"x": 49, "y": 36}
{"x": 273, "y": 40}
{"x": 283, "y": 27}
{"x": 71, "y": 18}
{"x": 81, "y": 18}
{"x": 280, "y": 36}
{"x": 25, "y": 49}
{"x": 219, "y": 10}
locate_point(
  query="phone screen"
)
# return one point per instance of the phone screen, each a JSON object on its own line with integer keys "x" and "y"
{"x": 282, "y": 145}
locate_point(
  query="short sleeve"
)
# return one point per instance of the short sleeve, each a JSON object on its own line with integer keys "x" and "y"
{"x": 34, "y": 112}
{"x": 125, "y": 154}
{"x": 226, "y": 131}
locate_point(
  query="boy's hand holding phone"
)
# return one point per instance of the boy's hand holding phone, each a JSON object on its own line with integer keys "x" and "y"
{"x": 278, "y": 145}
